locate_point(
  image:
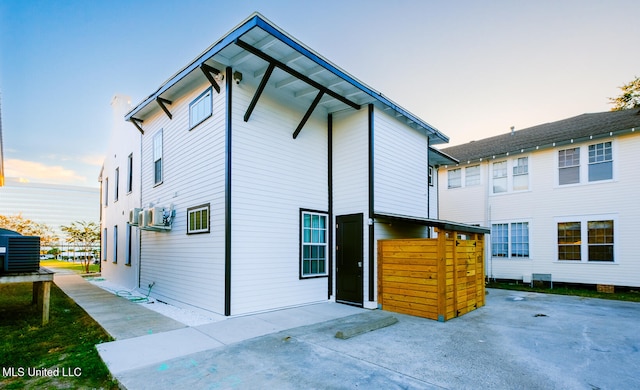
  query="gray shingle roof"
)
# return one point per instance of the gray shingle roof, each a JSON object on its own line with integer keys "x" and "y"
{"x": 577, "y": 128}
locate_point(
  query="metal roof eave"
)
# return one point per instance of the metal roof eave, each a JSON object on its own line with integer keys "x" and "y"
{"x": 440, "y": 157}
{"x": 257, "y": 20}
{"x": 228, "y": 39}
{"x": 439, "y": 223}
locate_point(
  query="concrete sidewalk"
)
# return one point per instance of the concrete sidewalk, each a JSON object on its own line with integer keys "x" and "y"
{"x": 120, "y": 318}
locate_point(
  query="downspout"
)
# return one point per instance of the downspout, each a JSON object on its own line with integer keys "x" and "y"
{"x": 140, "y": 203}
{"x": 227, "y": 194}
{"x": 330, "y": 200}
{"x": 371, "y": 204}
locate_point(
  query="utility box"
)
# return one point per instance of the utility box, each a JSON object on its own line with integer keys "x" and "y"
{"x": 19, "y": 253}
{"x": 437, "y": 278}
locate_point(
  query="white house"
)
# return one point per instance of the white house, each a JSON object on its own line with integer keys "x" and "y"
{"x": 119, "y": 193}
{"x": 559, "y": 198}
{"x": 267, "y": 175}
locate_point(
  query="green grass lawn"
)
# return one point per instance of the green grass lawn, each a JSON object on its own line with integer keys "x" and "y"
{"x": 621, "y": 294}
{"x": 66, "y": 343}
{"x": 77, "y": 267}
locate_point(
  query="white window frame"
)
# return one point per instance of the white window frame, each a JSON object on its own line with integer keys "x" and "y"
{"x": 599, "y": 157}
{"x": 196, "y": 212}
{"x": 497, "y": 174}
{"x": 201, "y": 108}
{"x": 472, "y": 179}
{"x": 158, "y": 162}
{"x": 314, "y": 237}
{"x": 520, "y": 172}
{"x": 116, "y": 185}
{"x": 584, "y": 237}
{"x": 115, "y": 244}
{"x": 511, "y": 242}
{"x": 130, "y": 174}
{"x": 457, "y": 179}
{"x": 128, "y": 245}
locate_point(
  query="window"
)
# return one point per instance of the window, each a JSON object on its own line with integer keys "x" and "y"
{"x": 521, "y": 174}
{"x": 104, "y": 244}
{"x": 455, "y": 178}
{"x": 600, "y": 162}
{"x": 599, "y": 244}
{"x": 430, "y": 172}
{"x": 127, "y": 257}
{"x": 198, "y": 219}
{"x": 117, "y": 185}
{"x": 600, "y": 237}
{"x": 130, "y": 174}
{"x": 115, "y": 244}
{"x": 157, "y": 158}
{"x": 500, "y": 240}
{"x": 200, "y": 109}
{"x": 472, "y": 176}
{"x": 106, "y": 191}
{"x": 569, "y": 166}
{"x": 513, "y": 243}
{"x": 313, "y": 249}
{"x": 520, "y": 239}
{"x": 499, "y": 177}
{"x": 569, "y": 241}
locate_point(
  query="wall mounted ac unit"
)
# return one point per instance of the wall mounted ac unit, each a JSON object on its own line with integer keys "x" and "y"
{"x": 134, "y": 216}
{"x": 156, "y": 216}
{"x": 143, "y": 218}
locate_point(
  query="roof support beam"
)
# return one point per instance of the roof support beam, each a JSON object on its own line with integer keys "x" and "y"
{"x": 162, "y": 103}
{"x": 308, "y": 113}
{"x": 263, "y": 83}
{"x": 295, "y": 73}
{"x": 137, "y": 122}
{"x": 208, "y": 71}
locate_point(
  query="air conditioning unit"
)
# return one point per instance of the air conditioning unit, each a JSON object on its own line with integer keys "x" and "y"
{"x": 156, "y": 216}
{"x": 134, "y": 216}
{"x": 143, "y": 218}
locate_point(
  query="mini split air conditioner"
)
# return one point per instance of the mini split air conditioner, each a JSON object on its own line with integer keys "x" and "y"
{"x": 134, "y": 216}
{"x": 156, "y": 216}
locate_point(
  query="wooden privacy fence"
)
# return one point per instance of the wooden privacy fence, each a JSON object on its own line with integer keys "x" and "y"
{"x": 437, "y": 278}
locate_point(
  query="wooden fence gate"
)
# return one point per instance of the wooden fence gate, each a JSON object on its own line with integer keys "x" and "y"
{"x": 437, "y": 278}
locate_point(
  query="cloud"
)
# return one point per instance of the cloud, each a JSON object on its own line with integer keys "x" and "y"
{"x": 38, "y": 172}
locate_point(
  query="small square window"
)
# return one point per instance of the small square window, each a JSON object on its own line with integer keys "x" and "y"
{"x": 198, "y": 219}
{"x": 200, "y": 109}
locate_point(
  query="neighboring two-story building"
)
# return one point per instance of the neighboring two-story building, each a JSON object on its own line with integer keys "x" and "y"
{"x": 260, "y": 176}
{"x": 560, "y": 198}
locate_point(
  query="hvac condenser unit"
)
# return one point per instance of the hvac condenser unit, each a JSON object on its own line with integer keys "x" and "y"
{"x": 156, "y": 216}
{"x": 19, "y": 253}
{"x": 134, "y": 216}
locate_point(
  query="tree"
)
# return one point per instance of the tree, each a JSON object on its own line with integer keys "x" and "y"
{"x": 630, "y": 97}
{"x": 27, "y": 227}
{"x": 84, "y": 234}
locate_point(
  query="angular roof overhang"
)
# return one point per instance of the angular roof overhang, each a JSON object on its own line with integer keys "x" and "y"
{"x": 438, "y": 157}
{"x": 268, "y": 56}
{"x": 439, "y": 223}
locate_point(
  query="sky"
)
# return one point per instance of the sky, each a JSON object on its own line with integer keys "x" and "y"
{"x": 471, "y": 69}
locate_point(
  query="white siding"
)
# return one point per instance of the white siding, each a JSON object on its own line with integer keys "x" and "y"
{"x": 124, "y": 141}
{"x": 351, "y": 174}
{"x": 546, "y": 203}
{"x": 274, "y": 176}
{"x": 186, "y": 268}
{"x": 400, "y": 168}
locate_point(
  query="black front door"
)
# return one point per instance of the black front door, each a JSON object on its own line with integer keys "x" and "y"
{"x": 349, "y": 259}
